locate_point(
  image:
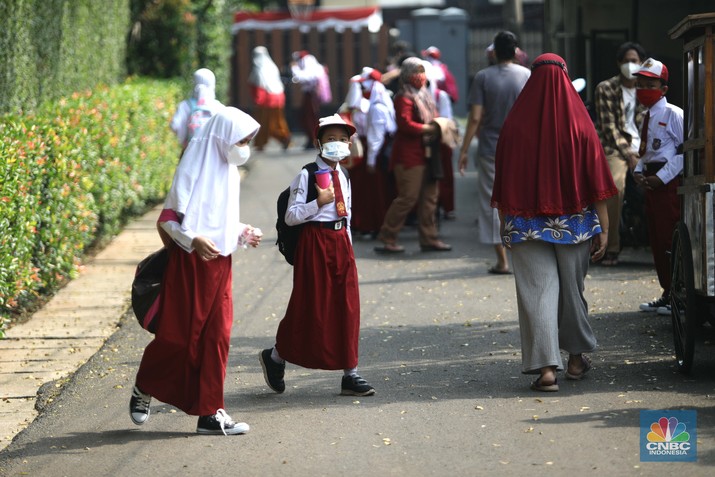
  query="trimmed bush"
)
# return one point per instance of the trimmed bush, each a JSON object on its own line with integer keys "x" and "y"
{"x": 72, "y": 174}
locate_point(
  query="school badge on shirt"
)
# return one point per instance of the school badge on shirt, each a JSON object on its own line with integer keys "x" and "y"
{"x": 656, "y": 144}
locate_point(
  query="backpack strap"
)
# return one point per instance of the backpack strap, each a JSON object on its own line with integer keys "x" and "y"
{"x": 312, "y": 194}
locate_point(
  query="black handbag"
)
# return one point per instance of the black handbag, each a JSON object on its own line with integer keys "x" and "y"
{"x": 146, "y": 289}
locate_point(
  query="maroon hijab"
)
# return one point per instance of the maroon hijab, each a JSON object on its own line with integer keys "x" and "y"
{"x": 549, "y": 160}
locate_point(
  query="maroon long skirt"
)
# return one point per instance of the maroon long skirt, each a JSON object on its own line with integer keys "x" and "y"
{"x": 321, "y": 327}
{"x": 185, "y": 364}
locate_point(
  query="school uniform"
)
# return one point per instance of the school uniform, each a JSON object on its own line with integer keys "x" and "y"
{"x": 663, "y": 157}
{"x": 185, "y": 364}
{"x": 321, "y": 326}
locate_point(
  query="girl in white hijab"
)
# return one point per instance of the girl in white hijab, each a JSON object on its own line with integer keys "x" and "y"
{"x": 269, "y": 97}
{"x": 203, "y": 99}
{"x": 185, "y": 364}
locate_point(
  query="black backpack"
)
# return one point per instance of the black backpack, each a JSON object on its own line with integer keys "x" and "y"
{"x": 146, "y": 287}
{"x": 288, "y": 235}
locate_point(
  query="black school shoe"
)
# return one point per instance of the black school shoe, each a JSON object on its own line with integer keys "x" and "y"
{"x": 355, "y": 386}
{"x": 139, "y": 406}
{"x": 220, "y": 423}
{"x": 272, "y": 372}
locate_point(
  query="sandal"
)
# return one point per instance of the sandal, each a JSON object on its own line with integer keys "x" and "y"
{"x": 610, "y": 260}
{"x": 586, "y": 361}
{"x": 546, "y": 388}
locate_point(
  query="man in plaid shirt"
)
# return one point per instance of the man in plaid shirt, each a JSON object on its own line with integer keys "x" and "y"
{"x": 618, "y": 121}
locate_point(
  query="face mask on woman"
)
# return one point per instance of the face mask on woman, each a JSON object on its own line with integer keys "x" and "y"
{"x": 335, "y": 151}
{"x": 628, "y": 68}
{"x": 418, "y": 80}
{"x": 238, "y": 155}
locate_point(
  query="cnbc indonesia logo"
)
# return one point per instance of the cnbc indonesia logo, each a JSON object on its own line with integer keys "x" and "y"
{"x": 668, "y": 436}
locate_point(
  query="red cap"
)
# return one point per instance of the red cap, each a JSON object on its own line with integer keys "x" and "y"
{"x": 369, "y": 73}
{"x": 653, "y": 68}
{"x": 432, "y": 51}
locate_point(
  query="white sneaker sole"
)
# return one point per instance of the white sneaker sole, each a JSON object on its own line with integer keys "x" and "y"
{"x": 238, "y": 428}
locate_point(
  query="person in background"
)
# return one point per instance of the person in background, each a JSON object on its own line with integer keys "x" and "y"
{"x": 550, "y": 187}
{"x": 269, "y": 97}
{"x": 618, "y": 120}
{"x": 443, "y": 102}
{"x": 658, "y": 171}
{"x": 491, "y": 96}
{"x": 185, "y": 364}
{"x": 444, "y": 78}
{"x": 307, "y": 72}
{"x": 381, "y": 128}
{"x": 416, "y": 131}
{"x": 354, "y": 111}
{"x": 321, "y": 327}
{"x": 195, "y": 111}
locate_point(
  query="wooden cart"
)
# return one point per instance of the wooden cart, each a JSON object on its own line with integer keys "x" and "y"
{"x": 693, "y": 255}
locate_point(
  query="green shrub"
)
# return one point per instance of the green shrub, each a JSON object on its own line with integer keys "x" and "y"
{"x": 72, "y": 174}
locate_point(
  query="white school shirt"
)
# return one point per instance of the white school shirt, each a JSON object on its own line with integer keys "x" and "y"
{"x": 298, "y": 212}
{"x": 665, "y": 139}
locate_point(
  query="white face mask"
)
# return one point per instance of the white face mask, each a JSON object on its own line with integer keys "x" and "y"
{"x": 238, "y": 155}
{"x": 335, "y": 151}
{"x": 627, "y": 70}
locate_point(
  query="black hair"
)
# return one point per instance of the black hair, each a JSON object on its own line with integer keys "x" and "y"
{"x": 629, "y": 45}
{"x": 505, "y": 43}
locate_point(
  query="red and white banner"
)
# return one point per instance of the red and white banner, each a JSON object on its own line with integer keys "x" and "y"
{"x": 321, "y": 19}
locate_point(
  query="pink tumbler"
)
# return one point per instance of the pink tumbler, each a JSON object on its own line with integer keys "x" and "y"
{"x": 322, "y": 178}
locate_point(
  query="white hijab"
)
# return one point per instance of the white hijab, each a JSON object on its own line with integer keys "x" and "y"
{"x": 205, "y": 190}
{"x": 265, "y": 73}
{"x": 204, "y": 84}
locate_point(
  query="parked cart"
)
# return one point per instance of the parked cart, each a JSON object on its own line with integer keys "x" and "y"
{"x": 692, "y": 293}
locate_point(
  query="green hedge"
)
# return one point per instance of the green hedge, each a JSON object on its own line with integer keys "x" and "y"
{"x": 49, "y": 48}
{"x": 71, "y": 175}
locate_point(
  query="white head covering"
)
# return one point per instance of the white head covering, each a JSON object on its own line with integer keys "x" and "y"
{"x": 311, "y": 67}
{"x": 206, "y": 188}
{"x": 205, "y": 77}
{"x": 354, "y": 97}
{"x": 265, "y": 73}
{"x": 380, "y": 95}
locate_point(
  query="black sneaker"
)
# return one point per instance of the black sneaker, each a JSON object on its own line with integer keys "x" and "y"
{"x": 139, "y": 406}
{"x": 355, "y": 386}
{"x": 272, "y": 372}
{"x": 655, "y": 304}
{"x": 220, "y": 423}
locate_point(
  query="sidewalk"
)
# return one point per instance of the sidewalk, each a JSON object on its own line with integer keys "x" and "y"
{"x": 42, "y": 353}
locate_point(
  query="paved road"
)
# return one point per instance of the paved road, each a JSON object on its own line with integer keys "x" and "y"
{"x": 440, "y": 342}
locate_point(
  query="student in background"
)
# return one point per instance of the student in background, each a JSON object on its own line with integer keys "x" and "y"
{"x": 658, "y": 171}
{"x": 195, "y": 111}
{"x": 269, "y": 97}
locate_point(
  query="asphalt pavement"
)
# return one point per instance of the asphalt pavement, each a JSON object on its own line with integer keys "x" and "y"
{"x": 439, "y": 341}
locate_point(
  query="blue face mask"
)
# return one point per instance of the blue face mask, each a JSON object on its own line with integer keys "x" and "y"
{"x": 335, "y": 151}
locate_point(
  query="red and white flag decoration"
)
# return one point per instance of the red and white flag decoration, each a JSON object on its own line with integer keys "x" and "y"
{"x": 321, "y": 19}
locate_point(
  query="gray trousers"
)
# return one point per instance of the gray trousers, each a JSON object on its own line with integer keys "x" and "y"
{"x": 553, "y": 313}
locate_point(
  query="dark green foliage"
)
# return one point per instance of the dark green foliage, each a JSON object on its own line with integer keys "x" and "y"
{"x": 50, "y": 48}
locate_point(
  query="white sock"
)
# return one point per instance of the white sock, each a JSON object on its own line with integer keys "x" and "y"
{"x": 350, "y": 372}
{"x": 276, "y": 357}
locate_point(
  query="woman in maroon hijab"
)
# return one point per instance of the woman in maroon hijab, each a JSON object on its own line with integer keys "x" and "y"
{"x": 550, "y": 186}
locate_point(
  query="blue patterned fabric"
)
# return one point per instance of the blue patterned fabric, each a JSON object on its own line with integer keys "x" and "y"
{"x": 564, "y": 229}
